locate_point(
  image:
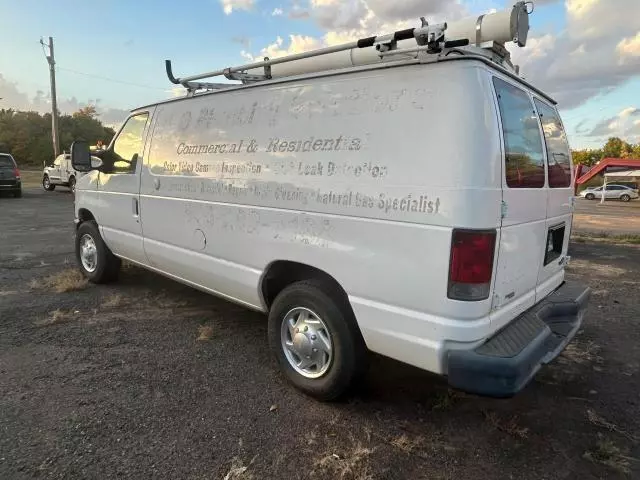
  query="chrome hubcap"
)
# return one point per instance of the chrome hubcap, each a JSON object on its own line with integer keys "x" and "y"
{"x": 88, "y": 253}
{"x": 306, "y": 342}
{"x": 46, "y": 182}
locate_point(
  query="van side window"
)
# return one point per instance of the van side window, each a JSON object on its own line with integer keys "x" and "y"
{"x": 558, "y": 155}
{"x": 128, "y": 146}
{"x": 524, "y": 160}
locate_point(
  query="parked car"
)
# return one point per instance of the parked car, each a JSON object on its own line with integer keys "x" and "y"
{"x": 613, "y": 192}
{"x": 10, "y": 175}
{"x": 402, "y": 207}
{"x": 60, "y": 173}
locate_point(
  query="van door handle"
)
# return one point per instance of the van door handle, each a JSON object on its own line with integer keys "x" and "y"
{"x": 136, "y": 209}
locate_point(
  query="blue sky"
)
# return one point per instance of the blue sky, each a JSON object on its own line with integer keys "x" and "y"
{"x": 115, "y": 54}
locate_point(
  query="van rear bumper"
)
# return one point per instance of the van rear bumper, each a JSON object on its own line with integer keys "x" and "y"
{"x": 506, "y": 362}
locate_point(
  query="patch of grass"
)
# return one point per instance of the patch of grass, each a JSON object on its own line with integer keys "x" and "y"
{"x": 352, "y": 465}
{"x": 445, "y": 400}
{"x": 582, "y": 353}
{"x": 205, "y": 333}
{"x": 239, "y": 471}
{"x": 607, "y": 453}
{"x": 31, "y": 178}
{"x": 68, "y": 280}
{"x": 598, "y": 421}
{"x": 606, "y": 237}
{"x": 406, "y": 444}
{"x": 57, "y": 316}
{"x": 510, "y": 426}
{"x": 113, "y": 301}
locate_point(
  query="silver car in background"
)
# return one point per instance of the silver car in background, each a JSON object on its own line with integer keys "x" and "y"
{"x": 613, "y": 192}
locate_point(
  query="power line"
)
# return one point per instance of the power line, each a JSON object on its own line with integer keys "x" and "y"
{"x": 107, "y": 79}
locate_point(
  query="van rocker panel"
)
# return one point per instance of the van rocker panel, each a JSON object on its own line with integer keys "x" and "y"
{"x": 506, "y": 362}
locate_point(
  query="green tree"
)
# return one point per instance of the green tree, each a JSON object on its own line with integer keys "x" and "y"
{"x": 88, "y": 111}
{"x": 586, "y": 157}
{"x": 614, "y": 148}
{"x": 27, "y": 135}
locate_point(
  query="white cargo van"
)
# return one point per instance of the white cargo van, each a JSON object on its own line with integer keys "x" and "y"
{"x": 409, "y": 195}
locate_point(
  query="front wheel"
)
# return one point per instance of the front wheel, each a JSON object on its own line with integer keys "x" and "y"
{"x": 590, "y": 196}
{"x": 95, "y": 260}
{"x": 315, "y": 339}
{"x": 625, "y": 197}
{"x": 47, "y": 185}
{"x": 72, "y": 185}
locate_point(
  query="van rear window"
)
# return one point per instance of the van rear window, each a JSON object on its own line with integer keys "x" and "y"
{"x": 524, "y": 159}
{"x": 558, "y": 156}
{"x": 6, "y": 161}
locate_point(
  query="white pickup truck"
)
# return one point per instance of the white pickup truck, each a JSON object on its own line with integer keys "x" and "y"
{"x": 62, "y": 173}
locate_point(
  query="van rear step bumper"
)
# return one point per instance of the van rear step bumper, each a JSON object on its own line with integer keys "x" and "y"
{"x": 504, "y": 364}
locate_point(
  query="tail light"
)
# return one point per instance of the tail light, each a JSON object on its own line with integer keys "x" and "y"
{"x": 471, "y": 264}
{"x": 16, "y": 172}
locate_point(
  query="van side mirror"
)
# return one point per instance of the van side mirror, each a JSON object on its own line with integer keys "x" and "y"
{"x": 81, "y": 156}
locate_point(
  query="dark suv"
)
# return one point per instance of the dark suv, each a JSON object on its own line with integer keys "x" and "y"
{"x": 10, "y": 175}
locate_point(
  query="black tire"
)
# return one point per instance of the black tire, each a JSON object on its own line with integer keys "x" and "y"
{"x": 349, "y": 353}
{"x": 72, "y": 184}
{"x": 47, "y": 185}
{"x": 107, "y": 265}
{"x": 590, "y": 196}
{"x": 625, "y": 198}
{"x": 17, "y": 193}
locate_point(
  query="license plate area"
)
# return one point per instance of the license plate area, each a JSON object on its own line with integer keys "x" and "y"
{"x": 555, "y": 242}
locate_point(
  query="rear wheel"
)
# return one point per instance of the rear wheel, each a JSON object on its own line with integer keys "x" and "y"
{"x": 590, "y": 196}
{"x": 625, "y": 197}
{"x": 315, "y": 338}
{"x": 72, "y": 184}
{"x": 47, "y": 185}
{"x": 17, "y": 193}
{"x": 95, "y": 260}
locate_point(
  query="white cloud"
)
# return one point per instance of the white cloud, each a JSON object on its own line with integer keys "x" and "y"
{"x": 277, "y": 12}
{"x": 629, "y": 47}
{"x": 230, "y": 5}
{"x": 297, "y": 44}
{"x": 585, "y": 59}
{"x": 622, "y": 125}
{"x": 13, "y": 97}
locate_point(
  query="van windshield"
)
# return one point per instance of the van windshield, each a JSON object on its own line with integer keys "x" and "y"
{"x": 558, "y": 155}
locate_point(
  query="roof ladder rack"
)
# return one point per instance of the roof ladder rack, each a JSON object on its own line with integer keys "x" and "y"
{"x": 466, "y": 36}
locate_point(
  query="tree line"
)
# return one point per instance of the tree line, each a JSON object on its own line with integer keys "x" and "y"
{"x": 614, "y": 148}
{"x": 27, "y": 135}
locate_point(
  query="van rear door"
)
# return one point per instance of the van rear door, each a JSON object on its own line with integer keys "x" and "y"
{"x": 559, "y": 199}
{"x": 523, "y": 232}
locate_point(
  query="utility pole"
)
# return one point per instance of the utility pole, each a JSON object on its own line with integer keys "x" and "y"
{"x": 54, "y": 99}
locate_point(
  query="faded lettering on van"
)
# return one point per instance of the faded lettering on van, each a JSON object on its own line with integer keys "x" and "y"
{"x": 313, "y": 144}
{"x": 208, "y": 149}
{"x": 409, "y": 203}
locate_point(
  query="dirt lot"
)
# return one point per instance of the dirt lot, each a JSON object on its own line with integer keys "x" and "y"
{"x": 147, "y": 378}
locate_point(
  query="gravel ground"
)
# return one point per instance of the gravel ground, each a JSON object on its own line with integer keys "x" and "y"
{"x": 150, "y": 379}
